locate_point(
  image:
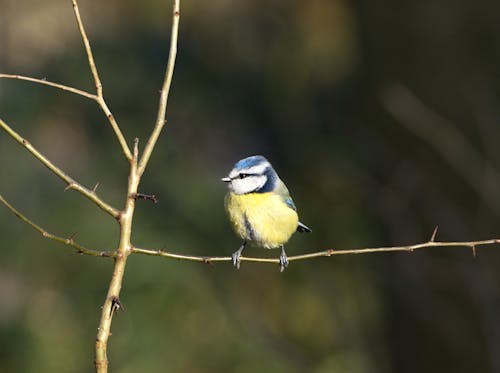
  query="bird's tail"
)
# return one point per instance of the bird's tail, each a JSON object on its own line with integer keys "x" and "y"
{"x": 303, "y": 228}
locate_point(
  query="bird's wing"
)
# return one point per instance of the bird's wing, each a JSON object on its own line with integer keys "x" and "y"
{"x": 282, "y": 191}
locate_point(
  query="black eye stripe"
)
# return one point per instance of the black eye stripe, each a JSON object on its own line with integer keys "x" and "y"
{"x": 244, "y": 175}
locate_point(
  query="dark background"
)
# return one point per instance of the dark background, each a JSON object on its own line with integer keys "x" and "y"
{"x": 381, "y": 116}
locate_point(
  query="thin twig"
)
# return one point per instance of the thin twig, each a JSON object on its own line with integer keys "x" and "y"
{"x": 63, "y": 87}
{"x": 209, "y": 259}
{"x": 165, "y": 90}
{"x": 100, "y": 98}
{"x": 67, "y": 241}
{"x": 71, "y": 183}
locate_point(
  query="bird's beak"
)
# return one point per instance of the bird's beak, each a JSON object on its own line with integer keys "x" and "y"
{"x": 226, "y": 179}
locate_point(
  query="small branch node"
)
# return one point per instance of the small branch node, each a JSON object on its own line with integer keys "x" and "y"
{"x": 149, "y": 197}
{"x": 474, "y": 254}
{"x": 434, "y": 233}
{"x": 329, "y": 252}
{"x": 116, "y": 305}
{"x": 136, "y": 148}
{"x": 70, "y": 185}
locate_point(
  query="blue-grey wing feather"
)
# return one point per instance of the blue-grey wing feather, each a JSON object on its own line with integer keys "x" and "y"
{"x": 282, "y": 190}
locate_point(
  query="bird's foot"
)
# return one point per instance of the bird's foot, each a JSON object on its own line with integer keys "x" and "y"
{"x": 236, "y": 259}
{"x": 283, "y": 260}
{"x": 236, "y": 256}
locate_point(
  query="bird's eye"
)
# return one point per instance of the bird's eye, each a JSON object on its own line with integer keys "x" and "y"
{"x": 242, "y": 176}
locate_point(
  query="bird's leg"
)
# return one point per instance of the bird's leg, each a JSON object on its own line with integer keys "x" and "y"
{"x": 237, "y": 255}
{"x": 283, "y": 259}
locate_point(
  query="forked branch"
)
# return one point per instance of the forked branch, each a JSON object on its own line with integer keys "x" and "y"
{"x": 98, "y": 85}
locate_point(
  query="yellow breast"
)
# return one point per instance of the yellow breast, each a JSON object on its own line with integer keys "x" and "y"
{"x": 262, "y": 218}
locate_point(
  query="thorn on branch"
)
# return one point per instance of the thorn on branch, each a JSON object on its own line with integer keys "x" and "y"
{"x": 116, "y": 305}
{"x": 95, "y": 187}
{"x": 474, "y": 254}
{"x": 70, "y": 239}
{"x": 149, "y": 197}
{"x": 69, "y": 186}
{"x": 434, "y": 233}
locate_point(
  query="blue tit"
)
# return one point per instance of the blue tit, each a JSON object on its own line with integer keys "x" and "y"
{"x": 260, "y": 208}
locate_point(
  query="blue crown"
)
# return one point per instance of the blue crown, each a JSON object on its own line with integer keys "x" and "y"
{"x": 250, "y": 162}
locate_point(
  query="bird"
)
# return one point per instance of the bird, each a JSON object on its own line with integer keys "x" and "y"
{"x": 260, "y": 208}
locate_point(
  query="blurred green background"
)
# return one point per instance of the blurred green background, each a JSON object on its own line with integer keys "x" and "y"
{"x": 383, "y": 119}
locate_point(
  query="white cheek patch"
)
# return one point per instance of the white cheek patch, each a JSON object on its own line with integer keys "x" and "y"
{"x": 248, "y": 184}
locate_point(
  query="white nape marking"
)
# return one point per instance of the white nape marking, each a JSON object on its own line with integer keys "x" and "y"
{"x": 248, "y": 184}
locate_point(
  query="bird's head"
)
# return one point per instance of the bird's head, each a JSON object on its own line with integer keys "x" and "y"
{"x": 252, "y": 175}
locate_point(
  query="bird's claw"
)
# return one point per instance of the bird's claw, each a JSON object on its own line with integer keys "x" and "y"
{"x": 283, "y": 261}
{"x": 236, "y": 256}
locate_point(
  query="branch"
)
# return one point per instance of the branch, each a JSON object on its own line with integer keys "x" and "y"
{"x": 210, "y": 259}
{"x": 67, "y": 241}
{"x": 100, "y": 98}
{"x": 72, "y": 184}
{"x": 165, "y": 90}
{"x": 63, "y": 87}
